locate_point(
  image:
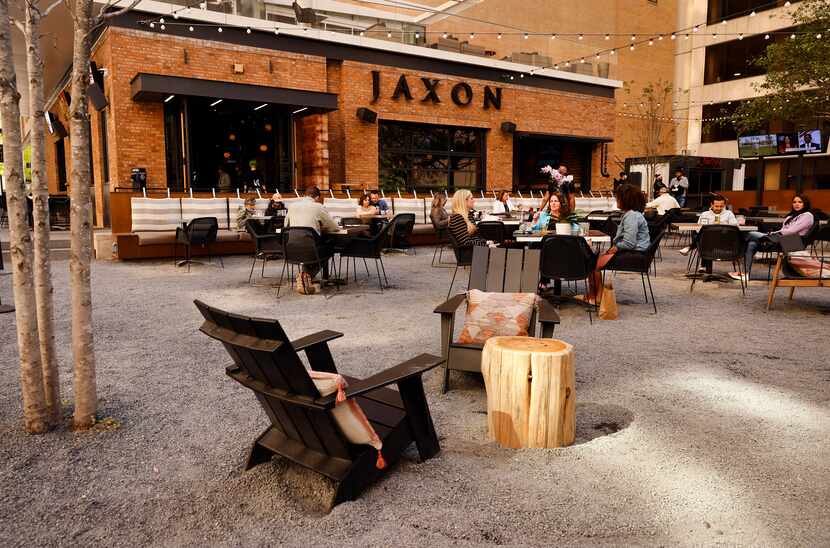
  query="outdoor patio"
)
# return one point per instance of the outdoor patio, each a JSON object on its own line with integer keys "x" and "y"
{"x": 705, "y": 423}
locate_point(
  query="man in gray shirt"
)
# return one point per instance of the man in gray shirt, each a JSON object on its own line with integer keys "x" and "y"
{"x": 679, "y": 185}
{"x": 309, "y": 212}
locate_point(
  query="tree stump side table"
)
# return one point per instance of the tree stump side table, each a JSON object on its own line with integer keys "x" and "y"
{"x": 531, "y": 397}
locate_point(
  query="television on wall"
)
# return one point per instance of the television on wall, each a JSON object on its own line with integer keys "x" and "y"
{"x": 755, "y": 146}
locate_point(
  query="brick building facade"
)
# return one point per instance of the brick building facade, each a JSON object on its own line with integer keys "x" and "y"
{"x": 327, "y": 146}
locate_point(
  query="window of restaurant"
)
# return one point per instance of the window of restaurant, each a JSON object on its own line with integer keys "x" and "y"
{"x": 430, "y": 157}
{"x": 226, "y": 144}
{"x": 102, "y": 130}
{"x": 60, "y": 158}
{"x": 752, "y": 175}
{"x": 532, "y": 152}
{"x": 719, "y": 10}
{"x": 712, "y": 130}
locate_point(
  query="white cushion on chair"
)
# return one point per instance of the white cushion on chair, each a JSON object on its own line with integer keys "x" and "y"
{"x": 155, "y": 214}
{"x": 347, "y": 413}
{"x": 341, "y": 207}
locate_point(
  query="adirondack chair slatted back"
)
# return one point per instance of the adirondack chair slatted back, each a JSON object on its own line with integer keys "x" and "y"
{"x": 277, "y": 367}
{"x": 501, "y": 270}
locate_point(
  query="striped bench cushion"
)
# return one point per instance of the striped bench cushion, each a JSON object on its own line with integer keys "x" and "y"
{"x": 155, "y": 214}
{"x": 193, "y": 208}
{"x": 592, "y": 204}
{"x": 411, "y": 205}
{"x": 484, "y": 204}
{"x": 341, "y": 207}
{"x": 526, "y": 203}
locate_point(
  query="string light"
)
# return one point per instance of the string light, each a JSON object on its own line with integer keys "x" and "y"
{"x": 673, "y": 36}
{"x": 162, "y": 27}
{"x": 580, "y": 37}
{"x": 190, "y": 28}
{"x": 651, "y": 42}
{"x": 219, "y": 29}
{"x": 607, "y": 37}
{"x": 248, "y": 31}
{"x": 499, "y": 36}
{"x": 472, "y": 35}
{"x": 740, "y": 37}
{"x": 631, "y": 47}
{"x": 553, "y": 37}
{"x": 526, "y": 36}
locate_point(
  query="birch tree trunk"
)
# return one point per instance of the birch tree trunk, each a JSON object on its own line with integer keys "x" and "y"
{"x": 83, "y": 350}
{"x": 40, "y": 197}
{"x": 35, "y": 419}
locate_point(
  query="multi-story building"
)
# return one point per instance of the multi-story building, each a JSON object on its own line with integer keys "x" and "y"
{"x": 362, "y": 92}
{"x": 714, "y": 73}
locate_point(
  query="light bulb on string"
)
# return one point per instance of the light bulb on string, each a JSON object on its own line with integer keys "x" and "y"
{"x": 417, "y": 35}
{"x": 162, "y": 27}
{"x": 613, "y": 52}
{"x": 219, "y": 29}
{"x": 553, "y": 37}
{"x": 248, "y": 31}
{"x": 685, "y": 36}
{"x": 161, "y": 20}
{"x": 175, "y": 15}
{"x": 766, "y": 37}
{"x": 190, "y": 28}
{"x": 597, "y": 56}
{"x": 651, "y": 42}
{"x": 696, "y": 28}
{"x": 792, "y": 36}
{"x": 581, "y": 37}
{"x": 389, "y": 34}
{"x": 526, "y": 36}
{"x": 673, "y": 36}
{"x": 276, "y": 30}
{"x": 152, "y": 25}
{"x": 499, "y": 36}
{"x": 582, "y": 60}
{"x": 633, "y": 37}
{"x": 631, "y": 47}
{"x": 445, "y": 36}
{"x": 607, "y": 37}
{"x": 740, "y": 37}
{"x": 752, "y": 13}
{"x": 660, "y": 37}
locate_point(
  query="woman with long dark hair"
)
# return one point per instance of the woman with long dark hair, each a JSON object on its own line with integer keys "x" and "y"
{"x": 798, "y": 221}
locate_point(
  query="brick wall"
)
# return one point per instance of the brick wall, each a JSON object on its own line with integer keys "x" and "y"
{"x": 531, "y": 109}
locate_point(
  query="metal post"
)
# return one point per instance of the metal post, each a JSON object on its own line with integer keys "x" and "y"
{"x": 800, "y": 181}
{"x": 759, "y": 192}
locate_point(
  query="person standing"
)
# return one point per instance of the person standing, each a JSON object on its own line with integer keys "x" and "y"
{"x": 224, "y": 183}
{"x": 658, "y": 185}
{"x": 679, "y": 186}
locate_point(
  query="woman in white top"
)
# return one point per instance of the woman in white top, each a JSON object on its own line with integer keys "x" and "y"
{"x": 503, "y": 203}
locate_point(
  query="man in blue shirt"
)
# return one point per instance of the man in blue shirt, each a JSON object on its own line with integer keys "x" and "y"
{"x": 376, "y": 201}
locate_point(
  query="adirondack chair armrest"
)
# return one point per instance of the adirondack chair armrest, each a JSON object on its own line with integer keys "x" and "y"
{"x": 321, "y": 337}
{"x": 411, "y": 368}
{"x": 450, "y": 306}
{"x": 548, "y": 317}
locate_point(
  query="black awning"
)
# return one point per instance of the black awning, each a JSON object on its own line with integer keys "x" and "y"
{"x": 157, "y": 87}
{"x": 559, "y": 137}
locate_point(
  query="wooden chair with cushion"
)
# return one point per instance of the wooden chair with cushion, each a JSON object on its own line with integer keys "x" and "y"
{"x": 807, "y": 270}
{"x": 496, "y": 270}
{"x": 303, "y": 428}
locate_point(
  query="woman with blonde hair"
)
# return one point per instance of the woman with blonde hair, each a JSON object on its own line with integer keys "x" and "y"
{"x": 460, "y": 226}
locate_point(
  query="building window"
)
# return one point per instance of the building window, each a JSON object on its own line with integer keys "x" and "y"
{"x": 718, "y": 10}
{"x": 431, "y": 157}
{"x": 105, "y": 151}
{"x": 60, "y": 159}
{"x": 713, "y": 129}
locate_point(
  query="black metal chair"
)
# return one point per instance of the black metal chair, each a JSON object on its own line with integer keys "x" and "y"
{"x": 268, "y": 245}
{"x": 492, "y": 230}
{"x": 718, "y": 243}
{"x": 202, "y": 232}
{"x": 637, "y": 262}
{"x": 400, "y": 232}
{"x": 570, "y": 259}
{"x": 463, "y": 257}
{"x": 302, "y": 246}
{"x": 364, "y": 248}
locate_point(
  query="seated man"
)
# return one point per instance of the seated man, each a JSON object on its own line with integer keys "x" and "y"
{"x": 245, "y": 213}
{"x": 716, "y": 215}
{"x": 664, "y": 202}
{"x": 376, "y": 201}
{"x": 309, "y": 212}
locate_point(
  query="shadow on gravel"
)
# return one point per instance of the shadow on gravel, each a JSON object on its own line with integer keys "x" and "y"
{"x": 594, "y": 420}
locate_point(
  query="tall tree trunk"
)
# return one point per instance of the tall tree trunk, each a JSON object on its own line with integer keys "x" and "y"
{"x": 40, "y": 197}
{"x": 83, "y": 350}
{"x": 35, "y": 419}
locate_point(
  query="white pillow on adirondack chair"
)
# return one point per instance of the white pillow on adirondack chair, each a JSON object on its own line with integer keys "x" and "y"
{"x": 347, "y": 413}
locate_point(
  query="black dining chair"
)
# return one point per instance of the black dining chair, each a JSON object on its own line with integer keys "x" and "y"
{"x": 400, "y": 232}
{"x": 492, "y": 230}
{"x": 570, "y": 259}
{"x": 268, "y": 245}
{"x": 441, "y": 241}
{"x": 463, "y": 258}
{"x": 359, "y": 247}
{"x": 303, "y": 246}
{"x": 719, "y": 243}
{"x": 201, "y": 232}
{"x": 637, "y": 262}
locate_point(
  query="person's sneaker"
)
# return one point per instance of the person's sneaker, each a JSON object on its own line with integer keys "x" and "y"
{"x": 701, "y": 270}
{"x": 737, "y": 276}
{"x": 686, "y": 250}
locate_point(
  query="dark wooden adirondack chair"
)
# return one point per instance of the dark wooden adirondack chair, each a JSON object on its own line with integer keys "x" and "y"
{"x": 302, "y": 428}
{"x": 495, "y": 270}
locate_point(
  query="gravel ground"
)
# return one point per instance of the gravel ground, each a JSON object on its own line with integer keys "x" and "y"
{"x": 704, "y": 424}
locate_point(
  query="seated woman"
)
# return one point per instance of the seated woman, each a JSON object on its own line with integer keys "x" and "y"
{"x": 502, "y": 203}
{"x": 632, "y": 234}
{"x": 554, "y": 208}
{"x": 364, "y": 207}
{"x": 459, "y": 224}
{"x": 275, "y": 206}
{"x": 438, "y": 215}
{"x": 799, "y": 221}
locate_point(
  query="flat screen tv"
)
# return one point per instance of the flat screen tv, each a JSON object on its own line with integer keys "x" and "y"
{"x": 754, "y": 146}
{"x": 809, "y": 141}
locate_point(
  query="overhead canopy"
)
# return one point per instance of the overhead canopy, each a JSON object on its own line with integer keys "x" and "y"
{"x": 157, "y": 87}
{"x": 572, "y": 138}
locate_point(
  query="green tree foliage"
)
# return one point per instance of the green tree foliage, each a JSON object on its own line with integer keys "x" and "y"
{"x": 797, "y": 86}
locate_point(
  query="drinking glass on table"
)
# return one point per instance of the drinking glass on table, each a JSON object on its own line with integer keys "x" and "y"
{"x": 741, "y": 219}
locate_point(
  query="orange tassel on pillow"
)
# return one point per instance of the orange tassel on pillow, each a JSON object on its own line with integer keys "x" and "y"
{"x": 341, "y": 394}
{"x": 380, "y": 464}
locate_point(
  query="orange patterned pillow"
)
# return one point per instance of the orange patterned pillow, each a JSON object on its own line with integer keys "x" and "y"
{"x": 496, "y": 314}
